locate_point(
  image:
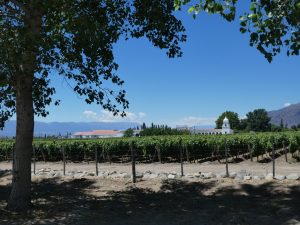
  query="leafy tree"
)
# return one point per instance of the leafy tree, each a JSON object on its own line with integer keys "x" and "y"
{"x": 281, "y": 123}
{"x": 157, "y": 130}
{"x": 74, "y": 40}
{"x": 243, "y": 125}
{"x": 275, "y": 128}
{"x": 128, "y": 133}
{"x": 258, "y": 120}
{"x": 272, "y": 24}
{"x": 143, "y": 126}
{"x": 233, "y": 120}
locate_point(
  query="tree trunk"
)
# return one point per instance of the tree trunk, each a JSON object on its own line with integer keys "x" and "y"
{"x": 19, "y": 198}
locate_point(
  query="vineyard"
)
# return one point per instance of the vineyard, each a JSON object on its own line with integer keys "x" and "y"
{"x": 160, "y": 148}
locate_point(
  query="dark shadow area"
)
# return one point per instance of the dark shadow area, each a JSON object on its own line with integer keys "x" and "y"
{"x": 4, "y": 173}
{"x": 176, "y": 202}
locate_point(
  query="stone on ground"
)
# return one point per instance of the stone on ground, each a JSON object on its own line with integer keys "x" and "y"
{"x": 292, "y": 176}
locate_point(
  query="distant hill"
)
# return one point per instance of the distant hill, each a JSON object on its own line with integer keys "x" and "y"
{"x": 56, "y": 128}
{"x": 290, "y": 115}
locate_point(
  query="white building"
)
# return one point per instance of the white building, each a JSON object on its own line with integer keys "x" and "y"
{"x": 225, "y": 129}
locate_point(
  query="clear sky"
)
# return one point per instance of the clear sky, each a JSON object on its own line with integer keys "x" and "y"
{"x": 218, "y": 71}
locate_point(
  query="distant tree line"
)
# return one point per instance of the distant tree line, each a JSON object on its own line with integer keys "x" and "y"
{"x": 156, "y": 130}
{"x": 256, "y": 120}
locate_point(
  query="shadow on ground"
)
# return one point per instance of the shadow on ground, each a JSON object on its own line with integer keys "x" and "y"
{"x": 177, "y": 202}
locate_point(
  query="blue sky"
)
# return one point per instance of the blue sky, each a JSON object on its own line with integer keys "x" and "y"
{"x": 218, "y": 71}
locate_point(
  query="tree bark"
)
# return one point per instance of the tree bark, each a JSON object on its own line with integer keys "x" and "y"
{"x": 19, "y": 198}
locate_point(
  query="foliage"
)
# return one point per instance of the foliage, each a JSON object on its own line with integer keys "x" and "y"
{"x": 198, "y": 146}
{"x": 128, "y": 133}
{"x": 233, "y": 120}
{"x": 258, "y": 120}
{"x": 156, "y": 130}
{"x": 75, "y": 39}
{"x": 272, "y": 24}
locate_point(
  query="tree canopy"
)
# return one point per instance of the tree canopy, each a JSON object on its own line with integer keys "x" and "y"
{"x": 272, "y": 25}
{"x": 128, "y": 132}
{"x": 73, "y": 39}
{"x": 157, "y": 130}
{"x": 258, "y": 120}
{"x": 233, "y": 118}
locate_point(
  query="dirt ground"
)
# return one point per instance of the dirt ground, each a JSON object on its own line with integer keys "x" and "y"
{"x": 180, "y": 201}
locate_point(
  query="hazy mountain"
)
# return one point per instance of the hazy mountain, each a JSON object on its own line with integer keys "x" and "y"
{"x": 56, "y": 128}
{"x": 290, "y": 115}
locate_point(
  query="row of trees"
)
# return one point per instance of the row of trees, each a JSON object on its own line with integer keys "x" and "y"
{"x": 257, "y": 120}
{"x": 155, "y": 130}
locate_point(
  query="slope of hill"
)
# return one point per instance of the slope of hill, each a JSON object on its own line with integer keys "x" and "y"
{"x": 289, "y": 115}
{"x": 56, "y": 128}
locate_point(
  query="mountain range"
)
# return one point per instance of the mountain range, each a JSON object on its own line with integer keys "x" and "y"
{"x": 289, "y": 115}
{"x": 63, "y": 128}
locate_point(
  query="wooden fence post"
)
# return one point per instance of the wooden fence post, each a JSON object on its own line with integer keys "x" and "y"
{"x": 273, "y": 159}
{"x": 133, "y": 162}
{"x": 251, "y": 152}
{"x": 226, "y": 159}
{"x": 96, "y": 160}
{"x": 285, "y": 151}
{"x": 158, "y": 154}
{"x": 181, "y": 158}
{"x": 64, "y": 160}
{"x": 187, "y": 154}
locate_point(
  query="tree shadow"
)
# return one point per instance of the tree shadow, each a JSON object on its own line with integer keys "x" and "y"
{"x": 4, "y": 173}
{"x": 59, "y": 201}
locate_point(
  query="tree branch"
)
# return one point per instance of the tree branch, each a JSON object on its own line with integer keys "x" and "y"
{"x": 18, "y": 4}
{"x": 10, "y": 16}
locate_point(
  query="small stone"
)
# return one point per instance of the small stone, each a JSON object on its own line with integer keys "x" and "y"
{"x": 79, "y": 175}
{"x": 171, "y": 176}
{"x": 221, "y": 175}
{"x": 139, "y": 175}
{"x": 232, "y": 174}
{"x": 43, "y": 174}
{"x": 113, "y": 172}
{"x": 102, "y": 175}
{"x": 124, "y": 175}
{"x": 189, "y": 175}
{"x": 71, "y": 173}
{"x": 239, "y": 178}
{"x": 261, "y": 177}
{"x": 197, "y": 175}
{"x": 57, "y": 174}
{"x": 279, "y": 177}
{"x": 52, "y": 173}
{"x": 153, "y": 176}
{"x": 163, "y": 175}
{"x": 242, "y": 173}
{"x": 247, "y": 177}
{"x": 269, "y": 176}
{"x": 208, "y": 175}
{"x": 292, "y": 176}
